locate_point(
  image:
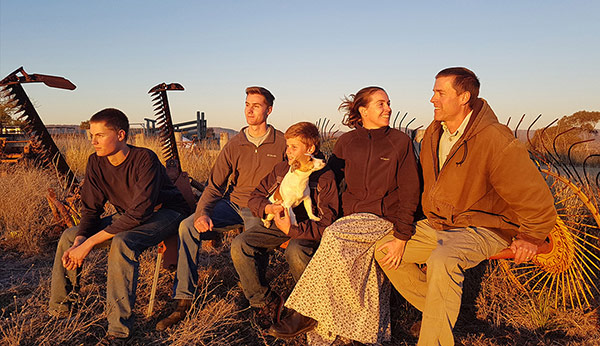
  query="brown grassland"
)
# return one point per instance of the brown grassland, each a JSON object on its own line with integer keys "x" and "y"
{"x": 494, "y": 312}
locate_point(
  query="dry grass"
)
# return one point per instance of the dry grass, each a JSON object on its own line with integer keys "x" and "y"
{"x": 25, "y": 216}
{"x": 493, "y": 313}
{"x": 196, "y": 161}
{"x": 76, "y": 149}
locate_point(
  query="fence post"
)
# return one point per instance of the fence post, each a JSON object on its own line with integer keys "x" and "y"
{"x": 200, "y": 125}
{"x": 224, "y": 138}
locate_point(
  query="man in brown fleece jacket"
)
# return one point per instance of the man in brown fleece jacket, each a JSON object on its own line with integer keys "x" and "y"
{"x": 482, "y": 193}
{"x": 243, "y": 162}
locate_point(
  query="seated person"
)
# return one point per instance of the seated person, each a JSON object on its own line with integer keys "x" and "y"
{"x": 149, "y": 210}
{"x": 249, "y": 250}
{"x": 342, "y": 292}
{"x": 243, "y": 162}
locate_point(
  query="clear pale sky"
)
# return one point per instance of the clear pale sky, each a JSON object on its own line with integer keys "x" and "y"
{"x": 532, "y": 57}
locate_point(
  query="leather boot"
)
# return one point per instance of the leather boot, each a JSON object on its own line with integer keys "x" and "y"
{"x": 415, "y": 329}
{"x": 270, "y": 313}
{"x": 292, "y": 325}
{"x": 183, "y": 306}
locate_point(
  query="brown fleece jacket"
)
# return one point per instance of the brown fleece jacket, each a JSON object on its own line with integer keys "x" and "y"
{"x": 240, "y": 166}
{"x": 323, "y": 192}
{"x": 381, "y": 175}
{"x": 488, "y": 180}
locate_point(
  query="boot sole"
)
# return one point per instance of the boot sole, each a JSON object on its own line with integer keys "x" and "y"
{"x": 308, "y": 328}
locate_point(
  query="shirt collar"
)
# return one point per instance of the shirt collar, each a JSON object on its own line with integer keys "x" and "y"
{"x": 460, "y": 130}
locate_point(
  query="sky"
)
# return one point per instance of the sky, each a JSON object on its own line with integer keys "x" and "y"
{"x": 532, "y": 57}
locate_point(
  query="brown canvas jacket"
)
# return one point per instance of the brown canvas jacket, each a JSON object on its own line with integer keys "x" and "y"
{"x": 488, "y": 180}
{"x": 242, "y": 165}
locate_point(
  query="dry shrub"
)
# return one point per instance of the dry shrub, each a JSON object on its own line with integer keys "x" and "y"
{"x": 25, "y": 217}
{"x": 212, "y": 320}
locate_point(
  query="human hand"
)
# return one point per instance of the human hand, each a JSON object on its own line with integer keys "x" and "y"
{"x": 275, "y": 208}
{"x": 66, "y": 261}
{"x": 523, "y": 250}
{"x": 203, "y": 224}
{"x": 282, "y": 221}
{"x": 77, "y": 255}
{"x": 395, "y": 251}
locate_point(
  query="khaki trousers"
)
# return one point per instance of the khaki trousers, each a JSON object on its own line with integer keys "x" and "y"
{"x": 438, "y": 293}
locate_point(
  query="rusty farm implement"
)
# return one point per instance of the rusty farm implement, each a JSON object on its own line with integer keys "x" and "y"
{"x": 40, "y": 143}
{"x": 566, "y": 270}
{"x": 167, "y": 250}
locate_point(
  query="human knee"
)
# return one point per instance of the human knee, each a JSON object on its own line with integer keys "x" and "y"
{"x": 443, "y": 259}
{"x": 120, "y": 247}
{"x": 238, "y": 246}
{"x": 68, "y": 237}
{"x": 295, "y": 253}
{"x": 298, "y": 256}
{"x": 186, "y": 229}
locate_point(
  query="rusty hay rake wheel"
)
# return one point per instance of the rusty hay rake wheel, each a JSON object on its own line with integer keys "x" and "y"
{"x": 569, "y": 275}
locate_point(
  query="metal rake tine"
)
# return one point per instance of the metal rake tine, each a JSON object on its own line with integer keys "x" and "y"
{"x": 410, "y": 122}
{"x": 402, "y": 120}
{"x": 585, "y": 173}
{"x": 396, "y": 118}
{"x": 519, "y": 124}
{"x": 571, "y": 161}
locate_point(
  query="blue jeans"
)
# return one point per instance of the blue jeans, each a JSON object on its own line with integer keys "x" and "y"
{"x": 225, "y": 216}
{"x": 123, "y": 266}
{"x": 250, "y": 255}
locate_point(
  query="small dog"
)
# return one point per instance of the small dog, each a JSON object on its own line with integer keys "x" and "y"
{"x": 294, "y": 190}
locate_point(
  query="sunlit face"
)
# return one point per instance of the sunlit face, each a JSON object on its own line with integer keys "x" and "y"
{"x": 377, "y": 112}
{"x": 298, "y": 151}
{"x": 105, "y": 140}
{"x": 256, "y": 110}
{"x": 447, "y": 102}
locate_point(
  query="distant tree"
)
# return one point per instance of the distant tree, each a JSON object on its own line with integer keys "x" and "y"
{"x": 7, "y": 113}
{"x": 85, "y": 125}
{"x": 568, "y": 130}
{"x": 210, "y": 133}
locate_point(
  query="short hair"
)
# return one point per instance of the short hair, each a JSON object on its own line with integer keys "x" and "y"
{"x": 351, "y": 104}
{"x": 308, "y": 133}
{"x": 261, "y": 91}
{"x": 464, "y": 80}
{"x": 113, "y": 119}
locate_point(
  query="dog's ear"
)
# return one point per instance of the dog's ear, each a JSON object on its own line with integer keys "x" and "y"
{"x": 294, "y": 166}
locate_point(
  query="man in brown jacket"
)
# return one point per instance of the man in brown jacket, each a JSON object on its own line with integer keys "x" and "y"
{"x": 241, "y": 165}
{"x": 482, "y": 193}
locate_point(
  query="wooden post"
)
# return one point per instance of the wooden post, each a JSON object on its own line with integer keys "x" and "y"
{"x": 224, "y": 138}
{"x": 198, "y": 130}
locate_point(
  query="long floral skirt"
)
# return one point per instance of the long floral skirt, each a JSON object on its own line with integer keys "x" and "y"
{"x": 343, "y": 287}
